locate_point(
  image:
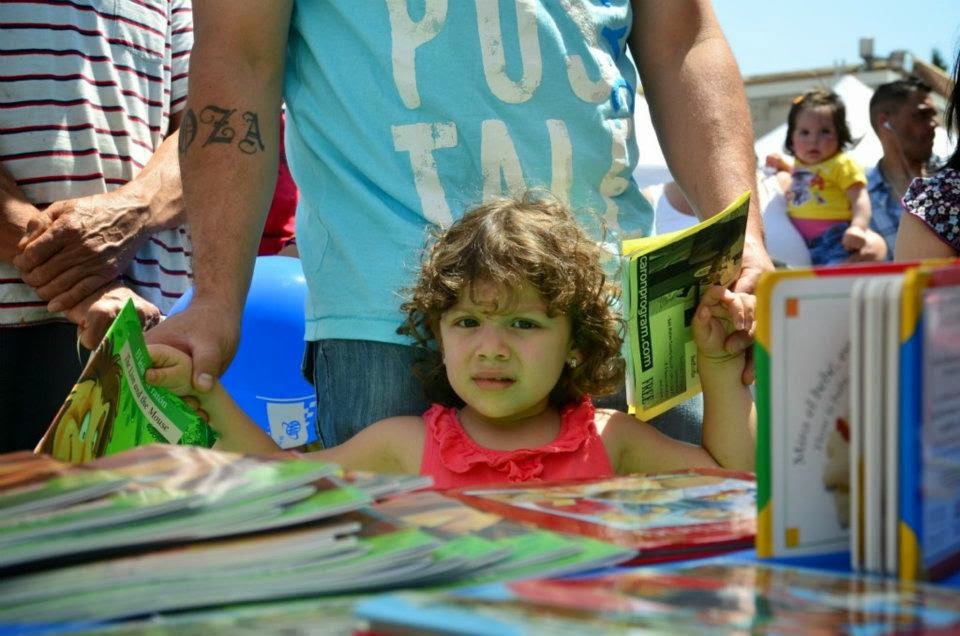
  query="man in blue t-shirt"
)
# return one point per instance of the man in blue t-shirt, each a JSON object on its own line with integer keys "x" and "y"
{"x": 402, "y": 115}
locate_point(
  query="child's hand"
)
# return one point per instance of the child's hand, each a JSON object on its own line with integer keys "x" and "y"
{"x": 173, "y": 369}
{"x": 854, "y": 238}
{"x": 722, "y": 312}
{"x": 777, "y": 162}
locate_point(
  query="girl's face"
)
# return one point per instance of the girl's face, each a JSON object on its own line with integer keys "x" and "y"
{"x": 504, "y": 365}
{"x": 814, "y": 135}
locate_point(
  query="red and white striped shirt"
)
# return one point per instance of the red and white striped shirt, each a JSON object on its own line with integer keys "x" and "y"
{"x": 87, "y": 88}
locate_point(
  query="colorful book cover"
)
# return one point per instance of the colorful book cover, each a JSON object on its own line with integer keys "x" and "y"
{"x": 111, "y": 408}
{"x": 166, "y": 493}
{"x": 464, "y": 528}
{"x": 665, "y": 276}
{"x": 381, "y": 485}
{"x": 802, "y": 355}
{"x": 661, "y": 516}
{"x": 175, "y": 577}
{"x": 929, "y": 443}
{"x": 22, "y": 469}
{"x": 696, "y": 598}
{"x": 523, "y": 550}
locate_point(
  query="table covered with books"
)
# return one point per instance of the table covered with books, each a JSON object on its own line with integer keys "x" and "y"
{"x": 176, "y": 536}
{"x": 171, "y": 536}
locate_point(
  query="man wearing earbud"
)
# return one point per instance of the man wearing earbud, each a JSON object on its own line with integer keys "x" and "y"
{"x": 904, "y": 118}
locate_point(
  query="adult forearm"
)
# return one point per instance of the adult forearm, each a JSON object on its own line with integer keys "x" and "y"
{"x": 157, "y": 190}
{"x": 15, "y": 214}
{"x": 697, "y": 103}
{"x": 228, "y": 141}
{"x": 227, "y": 198}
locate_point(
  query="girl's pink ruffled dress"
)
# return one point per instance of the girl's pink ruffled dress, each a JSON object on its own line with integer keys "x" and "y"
{"x": 454, "y": 460}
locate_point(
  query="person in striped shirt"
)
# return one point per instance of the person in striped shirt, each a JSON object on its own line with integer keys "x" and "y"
{"x": 91, "y": 210}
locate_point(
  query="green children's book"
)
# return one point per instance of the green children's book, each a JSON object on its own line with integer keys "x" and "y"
{"x": 111, "y": 408}
{"x": 664, "y": 278}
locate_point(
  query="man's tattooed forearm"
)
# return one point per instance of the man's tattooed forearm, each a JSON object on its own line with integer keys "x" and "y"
{"x": 219, "y": 130}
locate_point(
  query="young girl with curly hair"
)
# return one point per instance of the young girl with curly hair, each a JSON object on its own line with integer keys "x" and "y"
{"x": 517, "y": 322}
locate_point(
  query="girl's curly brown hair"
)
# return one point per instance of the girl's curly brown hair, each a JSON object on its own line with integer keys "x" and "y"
{"x": 507, "y": 242}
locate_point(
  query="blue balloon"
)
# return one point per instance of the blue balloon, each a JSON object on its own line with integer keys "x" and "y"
{"x": 264, "y": 378}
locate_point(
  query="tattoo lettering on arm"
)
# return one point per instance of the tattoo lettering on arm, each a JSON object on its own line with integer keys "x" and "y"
{"x": 218, "y": 118}
{"x": 252, "y": 141}
{"x": 188, "y": 131}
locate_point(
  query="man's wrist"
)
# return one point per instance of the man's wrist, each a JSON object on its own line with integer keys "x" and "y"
{"x": 217, "y": 306}
{"x": 158, "y": 208}
{"x": 15, "y": 215}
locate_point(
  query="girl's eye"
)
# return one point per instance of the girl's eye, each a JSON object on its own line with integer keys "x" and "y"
{"x": 466, "y": 322}
{"x": 523, "y": 323}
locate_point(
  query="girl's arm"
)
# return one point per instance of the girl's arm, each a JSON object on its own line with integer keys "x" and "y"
{"x": 393, "y": 445}
{"x": 856, "y": 235}
{"x": 729, "y": 419}
{"x": 172, "y": 370}
{"x": 635, "y": 446}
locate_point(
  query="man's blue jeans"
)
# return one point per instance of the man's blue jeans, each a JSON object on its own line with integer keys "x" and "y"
{"x": 359, "y": 382}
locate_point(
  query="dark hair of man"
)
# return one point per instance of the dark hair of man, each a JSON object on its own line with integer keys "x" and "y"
{"x": 890, "y": 96}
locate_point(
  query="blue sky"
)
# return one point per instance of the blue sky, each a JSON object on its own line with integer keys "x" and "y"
{"x": 769, "y": 36}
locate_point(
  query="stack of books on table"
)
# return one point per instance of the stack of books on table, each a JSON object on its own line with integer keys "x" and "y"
{"x": 858, "y": 444}
{"x": 162, "y": 528}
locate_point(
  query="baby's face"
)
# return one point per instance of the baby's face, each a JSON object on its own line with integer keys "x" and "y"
{"x": 815, "y": 137}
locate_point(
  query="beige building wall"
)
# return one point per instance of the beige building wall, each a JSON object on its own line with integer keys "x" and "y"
{"x": 771, "y": 95}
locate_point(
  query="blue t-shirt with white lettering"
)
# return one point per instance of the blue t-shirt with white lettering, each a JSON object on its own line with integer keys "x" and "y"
{"x": 403, "y": 114}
